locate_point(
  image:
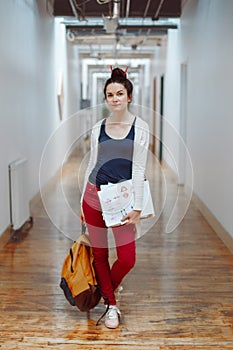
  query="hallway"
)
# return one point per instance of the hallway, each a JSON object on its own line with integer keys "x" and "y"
{"x": 53, "y": 67}
{"x": 178, "y": 296}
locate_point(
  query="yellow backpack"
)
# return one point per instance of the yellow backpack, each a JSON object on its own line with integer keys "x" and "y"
{"x": 78, "y": 279}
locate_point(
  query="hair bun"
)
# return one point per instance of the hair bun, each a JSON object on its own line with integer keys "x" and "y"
{"x": 119, "y": 76}
{"x": 118, "y": 73}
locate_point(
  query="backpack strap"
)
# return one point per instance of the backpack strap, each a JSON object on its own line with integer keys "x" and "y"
{"x": 107, "y": 308}
{"x": 104, "y": 296}
{"x": 72, "y": 258}
{"x": 85, "y": 242}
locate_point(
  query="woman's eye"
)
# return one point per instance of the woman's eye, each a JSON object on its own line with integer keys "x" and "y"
{"x": 117, "y": 94}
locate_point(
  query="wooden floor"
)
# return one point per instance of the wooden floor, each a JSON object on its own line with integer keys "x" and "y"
{"x": 178, "y": 296}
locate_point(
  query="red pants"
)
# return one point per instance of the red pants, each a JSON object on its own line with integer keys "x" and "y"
{"x": 124, "y": 236}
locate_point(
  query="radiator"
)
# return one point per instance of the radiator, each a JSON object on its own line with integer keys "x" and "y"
{"x": 18, "y": 190}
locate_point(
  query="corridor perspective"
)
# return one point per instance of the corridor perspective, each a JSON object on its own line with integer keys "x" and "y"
{"x": 55, "y": 58}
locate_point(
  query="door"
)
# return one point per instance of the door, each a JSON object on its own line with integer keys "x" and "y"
{"x": 183, "y": 124}
{"x": 154, "y": 117}
{"x": 161, "y": 118}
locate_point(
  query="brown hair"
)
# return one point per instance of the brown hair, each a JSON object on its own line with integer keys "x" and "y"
{"x": 119, "y": 76}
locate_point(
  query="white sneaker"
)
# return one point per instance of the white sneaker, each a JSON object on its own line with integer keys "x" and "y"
{"x": 112, "y": 317}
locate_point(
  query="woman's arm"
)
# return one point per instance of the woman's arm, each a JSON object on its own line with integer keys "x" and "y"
{"x": 141, "y": 144}
{"x": 139, "y": 161}
{"x": 93, "y": 154}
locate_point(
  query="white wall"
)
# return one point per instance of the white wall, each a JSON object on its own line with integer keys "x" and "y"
{"x": 171, "y": 139}
{"x": 28, "y": 100}
{"x": 205, "y": 37}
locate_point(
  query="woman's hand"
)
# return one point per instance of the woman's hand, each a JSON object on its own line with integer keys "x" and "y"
{"x": 81, "y": 215}
{"x": 132, "y": 217}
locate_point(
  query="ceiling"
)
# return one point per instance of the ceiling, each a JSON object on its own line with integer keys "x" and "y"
{"x": 154, "y": 9}
{"x": 122, "y": 24}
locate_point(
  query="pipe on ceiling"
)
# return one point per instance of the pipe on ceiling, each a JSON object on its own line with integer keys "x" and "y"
{"x": 74, "y": 7}
{"x": 127, "y": 8}
{"x": 116, "y": 8}
{"x": 103, "y": 2}
{"x": 156, "y": 15}
{"x": 147, "y": 8}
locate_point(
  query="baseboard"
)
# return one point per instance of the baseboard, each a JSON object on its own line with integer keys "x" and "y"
{"x": 48, "y": 186}
{"x": 214, "y": 223}
{"x": 221, "y": 232}
{"x": 35, "y": 201}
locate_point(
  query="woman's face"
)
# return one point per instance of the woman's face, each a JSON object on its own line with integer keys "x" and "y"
{"x": 117, "y": 97}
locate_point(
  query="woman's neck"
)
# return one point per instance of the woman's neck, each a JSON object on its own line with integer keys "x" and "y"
{"x": 121, "y": 117}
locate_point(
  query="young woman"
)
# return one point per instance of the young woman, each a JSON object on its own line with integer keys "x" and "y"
{"x": 119, "y": 147}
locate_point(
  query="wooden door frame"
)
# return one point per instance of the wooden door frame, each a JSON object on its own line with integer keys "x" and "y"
{"x": 154, "y": 116}
{"x": 161, "y": 118}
